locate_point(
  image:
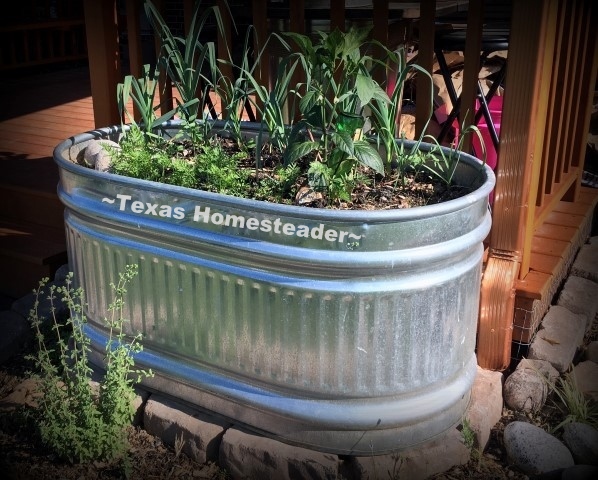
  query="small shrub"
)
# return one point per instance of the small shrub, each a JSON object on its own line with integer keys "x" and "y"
{"x": 78, "y": 424}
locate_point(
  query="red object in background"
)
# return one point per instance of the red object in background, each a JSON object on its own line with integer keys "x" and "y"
{"x": 495, "y": 107}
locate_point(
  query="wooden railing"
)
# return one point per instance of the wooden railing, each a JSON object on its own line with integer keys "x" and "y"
{"x": 568, "y": 73}
{"x": 40, "y": 43}
{"x": 551, "y": 74}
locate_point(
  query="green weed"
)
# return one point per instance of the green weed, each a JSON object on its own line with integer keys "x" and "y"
{"x": 573, "y": 404}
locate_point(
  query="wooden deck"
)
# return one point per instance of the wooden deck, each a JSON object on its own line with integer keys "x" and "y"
{"x": 38, "y": 111}
{"x": 554, "y": 246}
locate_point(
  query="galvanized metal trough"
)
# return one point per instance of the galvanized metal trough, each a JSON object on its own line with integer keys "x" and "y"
{"x": 351, "y": 332}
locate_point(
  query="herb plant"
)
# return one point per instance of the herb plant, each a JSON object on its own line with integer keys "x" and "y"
{"x": 142, "y": 92}
{"x": 573, "y": 404}
{"x": 79, "y": 424}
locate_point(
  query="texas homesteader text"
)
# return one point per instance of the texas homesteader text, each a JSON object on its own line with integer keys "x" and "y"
{"x": 205, "y": 215}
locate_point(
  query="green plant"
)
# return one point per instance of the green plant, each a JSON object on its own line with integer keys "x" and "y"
{"x": 386, "y": 114}
{"x": 217, "y": 171}
{"x": 77, "y": 423}
{"x": 142, "y": 92}
{"x": 279, "y": 186}
{"x": 468, "y": 434}
{"x": 235, "y": 93}
{"x": 443, "y": 163}
{"x": 325, "y": 111}
{"x": 183, "y": 58}
{"x": 152, "y": 159}
{"x": 572, "y": 403}
{"x": 331, "y": 123}
{"x": 273, "y": 103}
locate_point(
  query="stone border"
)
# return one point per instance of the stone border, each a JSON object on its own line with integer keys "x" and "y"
{"x": 557, "y": 352}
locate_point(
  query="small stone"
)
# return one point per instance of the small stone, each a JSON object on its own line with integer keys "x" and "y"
{"x": 248, "y": 455}
{"x": 560, "y": 335}
{"x": 103, "y": 164}
{"x": 170, "y": 420}
{"x": 307, "y": 195}
{"x": 542, "y": 367}
{"x": 582, "y": 440}
{"x": 25, "y": 393}
{"x": 99, "y": 151}
{"x": 525, "y": 390}
{"x": 533, "y": 450}
{"x": 579, "y": 296}
{"x": 485, "y": 406}
{"x": 586, "y": 262}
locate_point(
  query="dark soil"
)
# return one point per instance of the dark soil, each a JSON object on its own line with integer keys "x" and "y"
{"x": 407, "y": 188}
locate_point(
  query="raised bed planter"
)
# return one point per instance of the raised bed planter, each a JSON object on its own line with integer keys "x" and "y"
{"x": 351, "y": 332}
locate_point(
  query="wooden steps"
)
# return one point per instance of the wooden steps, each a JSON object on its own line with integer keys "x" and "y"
{"x": 554, "y": 247}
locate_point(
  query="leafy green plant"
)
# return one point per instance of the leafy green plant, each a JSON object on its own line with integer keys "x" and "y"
{"x": 324, "y": 111}
{"x": 77, "y": 423}
{"x": 443, "y": 163}
{"x": 386, "y": 114}
{"x": 218, "y": 171}
{"x": 152, "y": 159}
{"x": 331, "y": 124}
{"x": 273, "y": 103}
{"x": 468, "y": 434}
{"x": 235, "y": 93}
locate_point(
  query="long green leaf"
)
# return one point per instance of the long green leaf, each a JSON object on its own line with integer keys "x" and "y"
{"x": 344, "y": 142}
{"x": 299, "y": 149}
{"x": 368, "y": 156}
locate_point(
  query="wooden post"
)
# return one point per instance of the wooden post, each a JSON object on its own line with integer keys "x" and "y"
{"x": 164, "y": 83}
{"x": 514, "y": 175}
{"x": 134, "y": 35}
{"x": 104, "y": 59}
{"x": 588, "y": 66}
{"x": 133, "y": 9}
{"x": 260, "y": 23}
{"x": 471, "y": 66}
{"x": 225, "y": 39}
{"x": 380, "y": 33}
{"x": 337, "y": 15}
{"x": 425, "y": 60}
{"x": 297, "y": 25}
{"x": 545, "y": 102}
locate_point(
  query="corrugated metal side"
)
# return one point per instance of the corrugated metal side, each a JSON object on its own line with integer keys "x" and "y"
{"x": 404, "y": 331}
